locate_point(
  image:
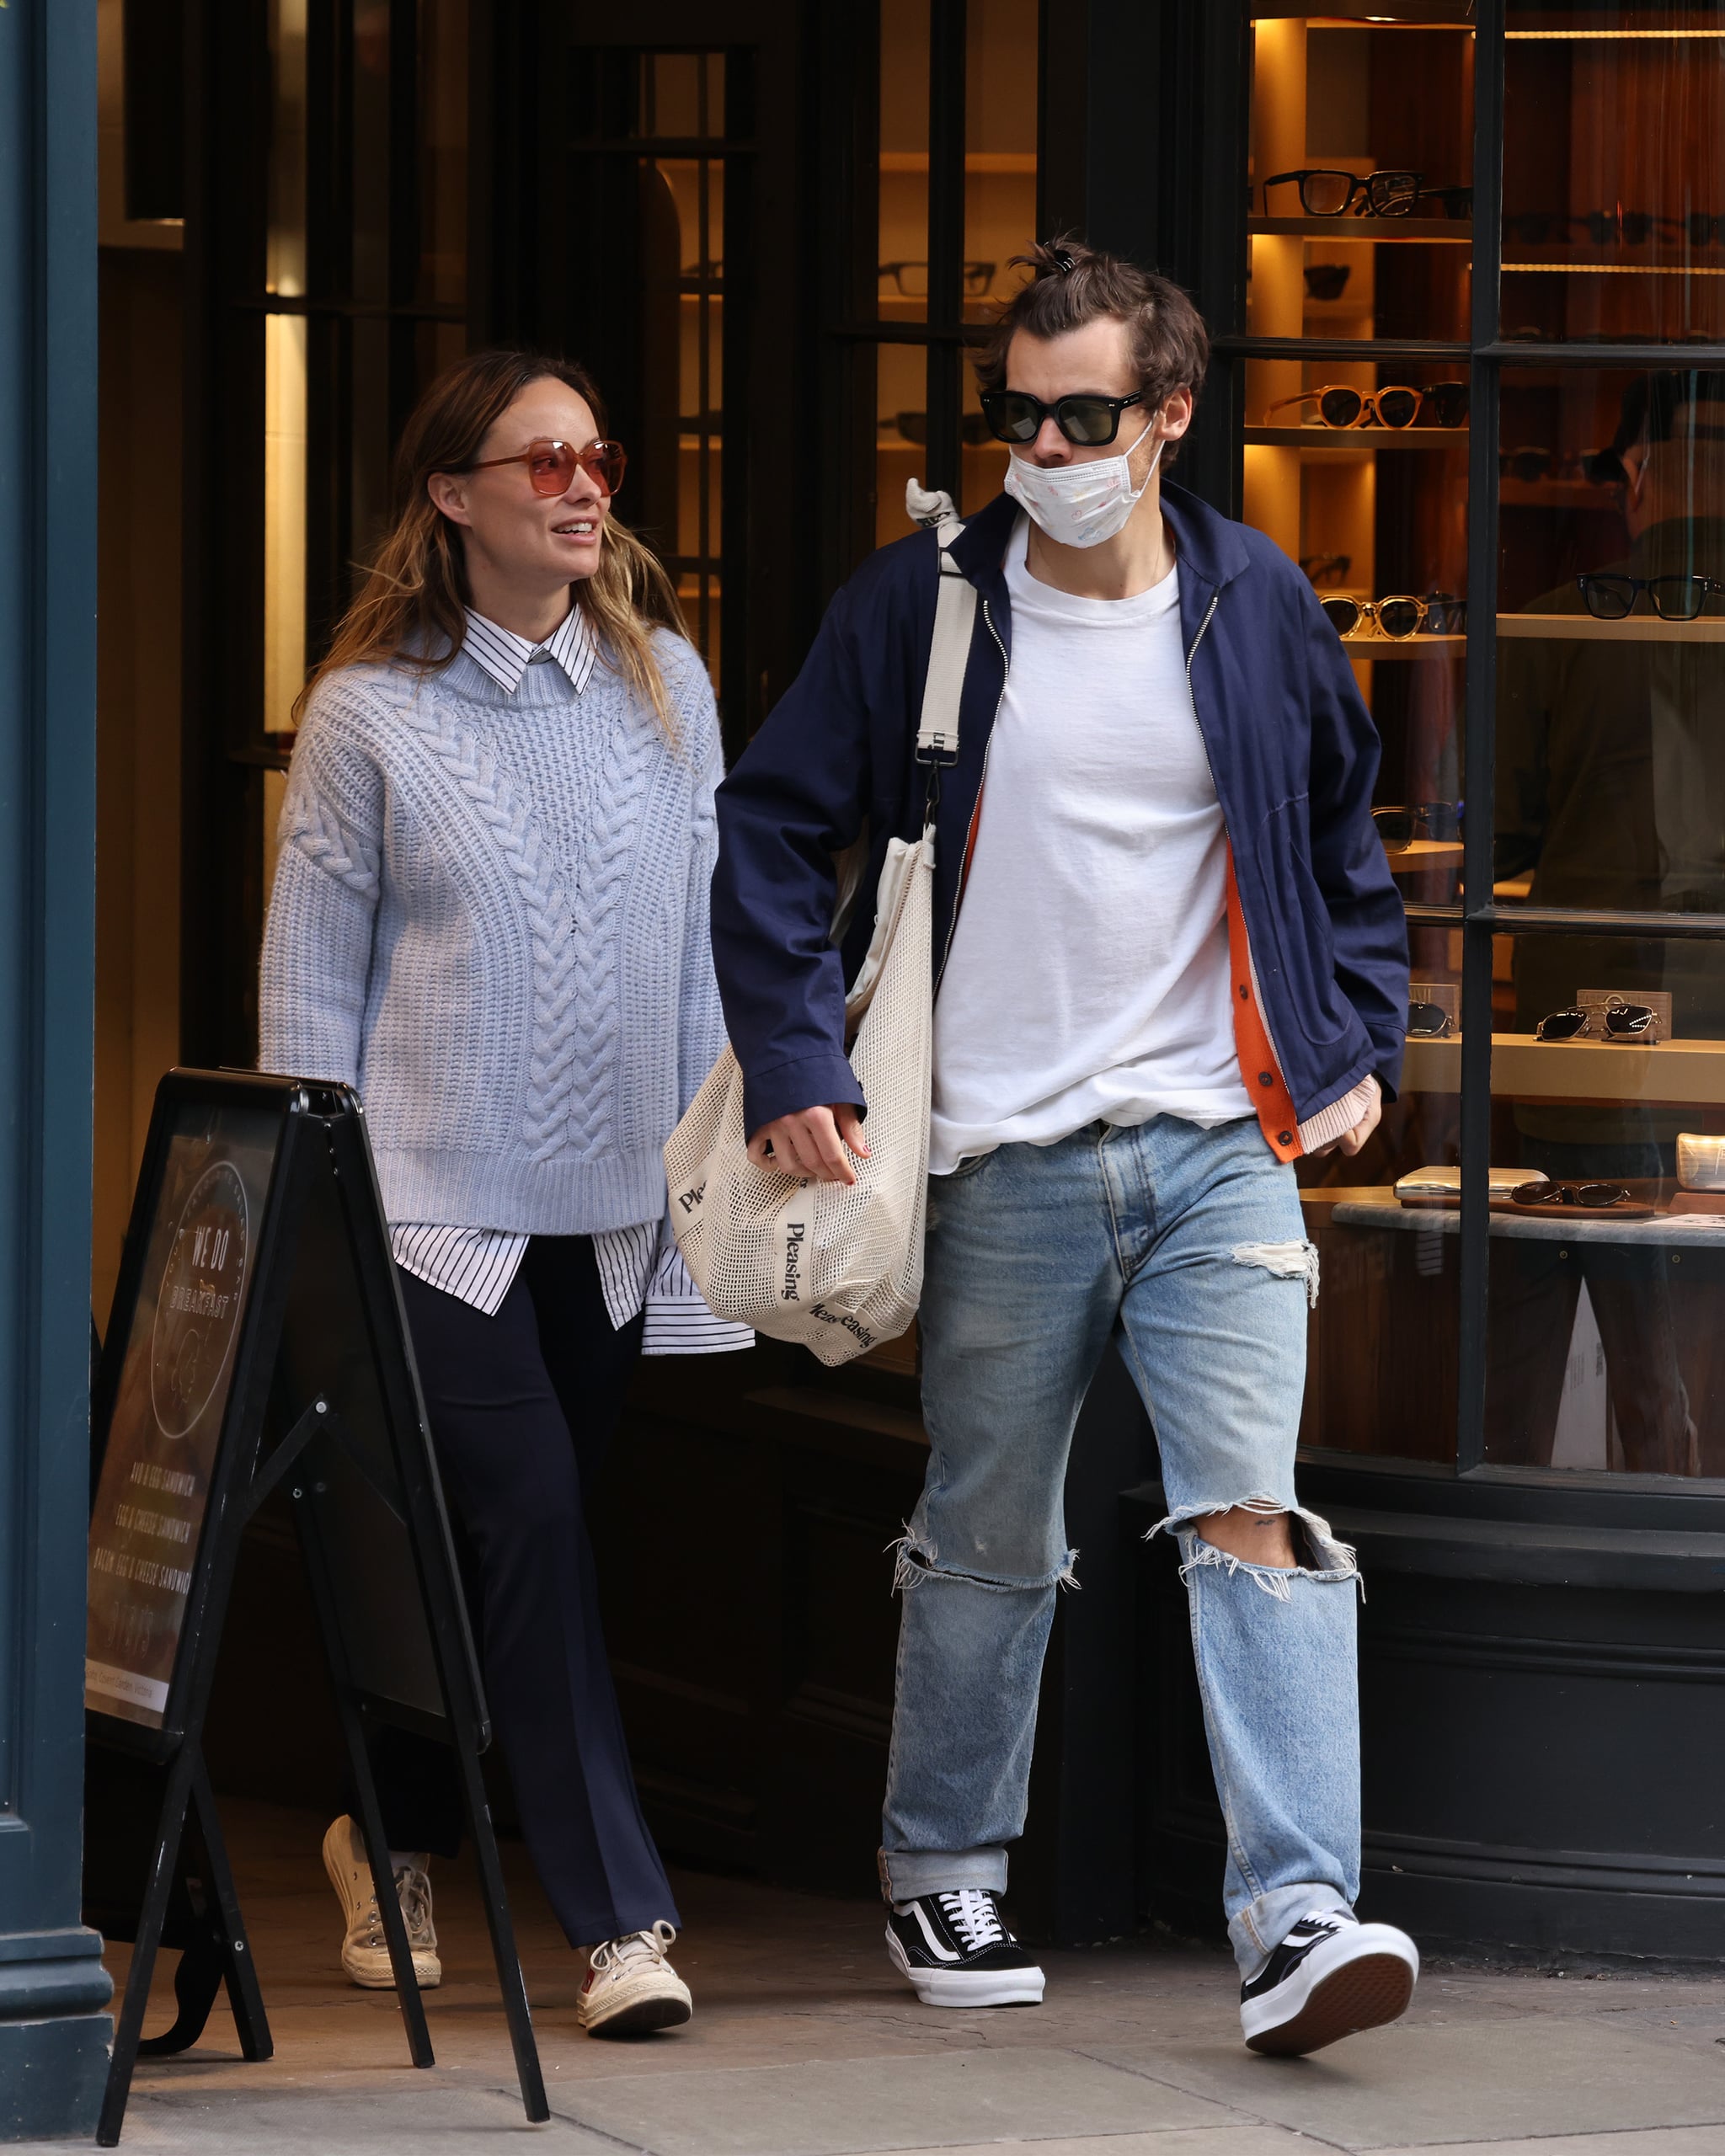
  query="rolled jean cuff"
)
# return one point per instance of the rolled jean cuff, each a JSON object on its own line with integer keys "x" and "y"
{"x": 905, "y": 1874}
{"x": 1259, "y": 1928}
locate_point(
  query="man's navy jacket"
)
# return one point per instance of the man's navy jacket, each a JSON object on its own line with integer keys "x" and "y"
{"x": 1317, "y": 936}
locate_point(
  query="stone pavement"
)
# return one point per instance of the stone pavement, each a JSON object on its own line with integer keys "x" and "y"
{"x": 805, "y": 2044}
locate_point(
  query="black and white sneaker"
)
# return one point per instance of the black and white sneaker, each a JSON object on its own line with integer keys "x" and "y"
{"x": 957, "y": 1952}
{"x": 1330, "y": 1977}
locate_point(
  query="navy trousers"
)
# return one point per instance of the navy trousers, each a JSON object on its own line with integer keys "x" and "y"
{"x": 523, "y": 1407}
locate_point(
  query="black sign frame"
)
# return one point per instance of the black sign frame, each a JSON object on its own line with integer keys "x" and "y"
{"x": 332, "y": 1412}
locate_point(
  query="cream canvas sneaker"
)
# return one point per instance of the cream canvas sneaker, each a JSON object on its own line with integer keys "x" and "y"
{"x": 365, "y": 1952}
{"x": 630, "y": 1988}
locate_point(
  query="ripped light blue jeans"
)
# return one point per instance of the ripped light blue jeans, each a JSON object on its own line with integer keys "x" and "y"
{"x": 1189, "y": 1246}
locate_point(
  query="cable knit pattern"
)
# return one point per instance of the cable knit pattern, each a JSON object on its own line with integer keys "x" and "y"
{"x": 489, "y": 914}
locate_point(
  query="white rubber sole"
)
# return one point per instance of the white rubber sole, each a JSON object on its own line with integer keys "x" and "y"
{"x": 369, "y": 1967}
{"x": 967, "y": 1987}
{"x": 1361, "y": 1979}
{"x": 637, "y": 2010}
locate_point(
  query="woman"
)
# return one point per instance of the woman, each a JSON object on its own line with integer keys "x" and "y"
{"x": 489, "y": 915}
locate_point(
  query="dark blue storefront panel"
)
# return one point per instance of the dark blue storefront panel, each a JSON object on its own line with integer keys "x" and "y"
{"x": 53, "y": 2030}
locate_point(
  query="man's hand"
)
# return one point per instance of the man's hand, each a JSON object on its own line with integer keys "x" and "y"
{"x": 1350, "y": 1141}
{"x": 812, "y": 1143}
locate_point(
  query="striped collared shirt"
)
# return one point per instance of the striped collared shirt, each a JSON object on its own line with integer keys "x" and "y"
{"x": 639, "y": 1266}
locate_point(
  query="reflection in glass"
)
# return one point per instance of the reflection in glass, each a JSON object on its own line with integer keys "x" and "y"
{"x": 904, "y": 154}
{"x": 1604, "y": 1308}
{"x": 1002, "y": 38}
{"x": 284, "y": 263}
{"x": 1614, "y": 173}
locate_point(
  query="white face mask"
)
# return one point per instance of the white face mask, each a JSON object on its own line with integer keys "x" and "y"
{"x": 1080, "y": 504}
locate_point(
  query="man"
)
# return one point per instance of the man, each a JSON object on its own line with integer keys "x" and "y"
{"x": 1173, "y": 866}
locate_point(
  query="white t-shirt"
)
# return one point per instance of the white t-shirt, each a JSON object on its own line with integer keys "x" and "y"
{"x": 1088, "y": 976}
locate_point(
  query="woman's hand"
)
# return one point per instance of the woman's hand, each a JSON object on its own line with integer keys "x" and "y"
{"x": 1350, "y": 1141}
{"x": 812, "y": 1143}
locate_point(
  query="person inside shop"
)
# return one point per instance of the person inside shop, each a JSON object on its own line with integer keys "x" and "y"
{"x": 1173, "y": 866}
{"x": 1610, "y": 794}
{"x": 489, "y": 915}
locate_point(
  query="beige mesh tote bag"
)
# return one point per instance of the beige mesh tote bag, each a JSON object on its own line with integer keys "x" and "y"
{"x": 840, "y": 1269}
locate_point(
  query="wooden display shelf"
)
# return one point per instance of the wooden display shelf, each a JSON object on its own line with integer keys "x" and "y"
{"x": 1613, "y": 269}
{"x": 1418, "y": 852}
{"x": 1344, "y": 443}
{"x": 1679, "y": 1072}
{"x": 1379, "y": 1207}
{"x": 1413, "y": 647}
{"x": 1637, "y": 629}
{"x": 1444, "y": 231}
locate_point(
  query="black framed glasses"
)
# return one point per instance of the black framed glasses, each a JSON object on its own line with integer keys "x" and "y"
{"x": 1544, "y": 1191}
{"x": 1398, "y": 616}
{"x": 1326, "y": 193}
{"x": 913, "y": 426}
{"x": 1419, "y": 819}
{"x": 1087, "y": 421}
{"x": 1452, "y": 201}
{"x": 1326, "y": 568}
{"x": 1339, "y": 404}
{"x": 1611, "y": 598}
{"x": 911, "y": 279}
{"x": 1327, "y": 280}
{"x": 1622, "y": 1020}
{"x": 1427, "y": 1022}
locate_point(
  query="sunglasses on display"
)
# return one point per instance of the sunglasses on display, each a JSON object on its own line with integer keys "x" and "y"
{"x": 1444, "y": 404}
{"x": 1623, "y": 1021}
{"x": 1611, "y": 598}
{"x": 1397, "y": 617}
{"x": 911, "y": 279}
{"x": 1545, "y": 1192}
{"x": 1427, "y": 1022}
{"x": 1087, "y": 422}
{"x": 973, "y": 427}
{"x": 551, "y": 466}
{"x": 1419, "y": 819}
{"x": 1453, "y": 202}
{"x": 1530, "y": 464}
{"x": 1328, "y": 281}
{"x": 1324, "y": 193}
{"x": 1326, "y": 568}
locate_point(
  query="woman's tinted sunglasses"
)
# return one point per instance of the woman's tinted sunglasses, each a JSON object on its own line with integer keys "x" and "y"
{"x": 551, "y": 465}
{"x": 1087, "y": 422}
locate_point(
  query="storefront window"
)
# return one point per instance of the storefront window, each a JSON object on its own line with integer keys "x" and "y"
{"x": 1581, "y": 1264}
{"x": 957, "y": 164}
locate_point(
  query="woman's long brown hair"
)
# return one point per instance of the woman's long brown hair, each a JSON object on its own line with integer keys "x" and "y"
{"x": 411, "y": 608}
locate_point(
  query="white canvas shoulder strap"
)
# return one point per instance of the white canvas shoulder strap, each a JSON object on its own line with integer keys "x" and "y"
{"x": 954, "y": 623}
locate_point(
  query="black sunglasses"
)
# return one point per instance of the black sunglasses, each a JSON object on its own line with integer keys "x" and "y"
{"x": 1622, "y": 1021}
{"x": 1426, "y": 819}
{"x": 1427, "y": 1021}
{"x": 1672, "y": 598}
{"x": 1545, "y": 1192}
{"x": 1087, "y": 422}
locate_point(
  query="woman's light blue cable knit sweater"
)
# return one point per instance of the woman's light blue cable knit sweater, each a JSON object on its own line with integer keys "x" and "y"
{"x": 489, "y": 915}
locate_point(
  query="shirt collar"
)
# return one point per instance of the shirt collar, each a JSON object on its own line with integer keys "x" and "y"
{"x": 506, "y": 657}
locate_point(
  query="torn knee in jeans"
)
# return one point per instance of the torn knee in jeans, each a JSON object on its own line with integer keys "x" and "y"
{"x": 1291, "y": 1261}
{"x": 918, "y": 1561}
{"x": 1323, "y": 1558}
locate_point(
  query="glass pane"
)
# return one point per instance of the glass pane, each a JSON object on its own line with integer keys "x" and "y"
{"x": 903, "y": 255}
{"x": 901, "y": 408}
{"x": 284, "y": 264}
{"x": 1000, "y": 149}
{"x": 985, "y": 459}
{"x": 284, "y": 595}
{"x": 1362, "y": 149}
{"x": 443, "y": 150}
{"x": 369, "y": 242}
{"x": 1613, "y": 173}
{"x": 1610, "y": 782}
{"x": 1377, "y": 515}
{"x": 1389, "y": 1304}
{"x": 1605, "y": 1304}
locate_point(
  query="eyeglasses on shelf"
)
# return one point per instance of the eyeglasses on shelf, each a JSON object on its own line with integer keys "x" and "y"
{"x": 1398, "y": 616}
{"x": 1611, "y": 597}
{"x": 1327, "y": 280}
{"x": 1623, "y": 1021}
{"x": 913, "y": 426}
{"x": 1530, "y": 463}
{"x": 1544, "y": 1191}
{"x": 911, "y": 279}
{"x": 1419, "y": 819}
{"x": 1427, "y": 1022}
{"x": 1326, "y": 568}
{"x": 1339, "y": 404}
{"x": 1326, "y": 193}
